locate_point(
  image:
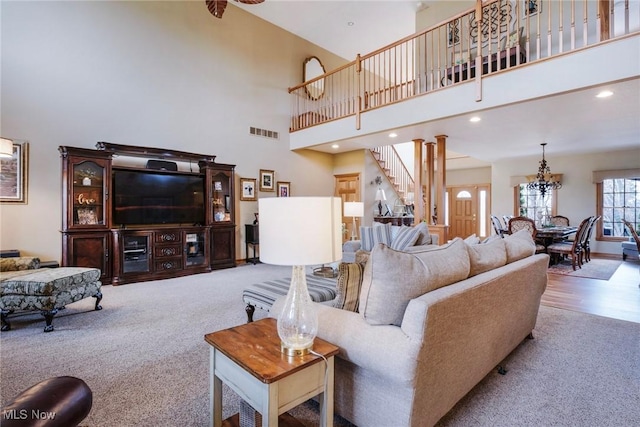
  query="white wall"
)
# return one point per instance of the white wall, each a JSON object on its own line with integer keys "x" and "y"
{"x": 159, "y": 74}
{"x": 577, "y": 197}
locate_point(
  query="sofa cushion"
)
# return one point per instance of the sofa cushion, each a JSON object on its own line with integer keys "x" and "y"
{"x": 425, "y": 237}
{"x": 19, "y": 263}
{"x": 487, "y": 256}
{"x": 405, "y": 237}
{"x": 472, "y": 240}
{"x": 348, "y": 286}
{"x": 392, "y": 278}
{"x": 371, "y": 236}
{"x": 519, "y": 245}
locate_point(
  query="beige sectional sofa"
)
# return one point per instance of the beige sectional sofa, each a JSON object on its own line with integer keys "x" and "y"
{"x": 430, "y": 326}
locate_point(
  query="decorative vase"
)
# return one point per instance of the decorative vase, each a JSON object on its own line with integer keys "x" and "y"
{"x": 298, "y": 321}
{"x": 86, "y": 181}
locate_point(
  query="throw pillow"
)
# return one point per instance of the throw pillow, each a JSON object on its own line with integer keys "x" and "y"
{"x": 487, "y": 257}
{"x": 371, "y": 236}
{"x": 519, "y": 245}
{"x": 19, "y": 263}
{"x": 393, "y": 278}
{"x": 472, "y": 240}
{"x": 406, "y": 236}
{"x": 425, "y": 237}
{"x": 348, "y": 286}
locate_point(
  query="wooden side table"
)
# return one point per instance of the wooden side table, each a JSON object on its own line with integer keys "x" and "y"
{"x": 248, "y": 359}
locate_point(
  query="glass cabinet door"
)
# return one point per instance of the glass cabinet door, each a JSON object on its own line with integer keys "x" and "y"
{"x": 88, "y": 198}
{"x": 222, "y": 199}
{"x": 195, "y": 248}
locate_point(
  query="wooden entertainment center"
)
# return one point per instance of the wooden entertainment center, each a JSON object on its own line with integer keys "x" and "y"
{"x": 149, "y": 221}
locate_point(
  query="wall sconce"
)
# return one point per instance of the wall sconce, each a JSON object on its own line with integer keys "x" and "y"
{"x": 377, "y": 181}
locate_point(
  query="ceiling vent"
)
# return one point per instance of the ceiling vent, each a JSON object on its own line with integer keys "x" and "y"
{"x": 263, "y": 132}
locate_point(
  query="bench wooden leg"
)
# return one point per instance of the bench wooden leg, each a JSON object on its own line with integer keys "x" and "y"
{"x": 98, "y": 298}
{"x": 250, "y": 310}
{"x": 48, "y": 317}
{"x": 6, "y": 326}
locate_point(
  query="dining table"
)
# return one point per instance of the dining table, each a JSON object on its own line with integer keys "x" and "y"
{"x": 548, "y": 235}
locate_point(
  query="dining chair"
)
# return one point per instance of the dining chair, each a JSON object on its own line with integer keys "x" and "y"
{"x": 586, "y": 244}
{"x": 523, "y": 223}
{"x": 497, "y": 226}
{"x": 505, "y": 220}
{"x": 571, "y": 248}
{"x": 635, "y": 236}
{"x": 559, "y": 221}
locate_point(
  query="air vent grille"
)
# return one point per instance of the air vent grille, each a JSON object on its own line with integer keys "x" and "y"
{"x": 263, "y": 132}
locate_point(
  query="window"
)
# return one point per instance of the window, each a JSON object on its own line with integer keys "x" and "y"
{"x": 619, "y": 198}
{"x": 531, "y": 204}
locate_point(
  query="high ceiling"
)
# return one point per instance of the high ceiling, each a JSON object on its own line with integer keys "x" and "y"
{"x": 347, "y": 28}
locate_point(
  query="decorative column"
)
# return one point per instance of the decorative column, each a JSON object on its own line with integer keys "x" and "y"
{"x": 418, "y": 178}
{"x": 430, "y": 169}
{"x": 440, "y": 189}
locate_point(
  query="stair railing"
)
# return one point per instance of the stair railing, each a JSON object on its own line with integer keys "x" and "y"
{"x": 395, "y": 170}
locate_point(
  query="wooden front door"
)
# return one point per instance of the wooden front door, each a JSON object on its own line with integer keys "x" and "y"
{"x": 347, "y": 187}
{"x": 464, "y": 211}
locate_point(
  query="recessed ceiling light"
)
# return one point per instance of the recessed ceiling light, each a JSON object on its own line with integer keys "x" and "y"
{"x": 393, "y": 135}
{"x": 335, "y": 146}
{"x": 350, "y": 23}
{"x": 475, "y": 119}
{"x": 604, "y": 94}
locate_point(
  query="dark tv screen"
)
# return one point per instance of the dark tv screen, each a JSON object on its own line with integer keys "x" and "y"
{"x": 151, "y": 197}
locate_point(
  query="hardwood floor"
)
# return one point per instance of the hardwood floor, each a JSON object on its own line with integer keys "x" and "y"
{"x": 618, "y": 297}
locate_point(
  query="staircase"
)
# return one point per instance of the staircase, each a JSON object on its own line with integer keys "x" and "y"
{"x": 394, "y": 169}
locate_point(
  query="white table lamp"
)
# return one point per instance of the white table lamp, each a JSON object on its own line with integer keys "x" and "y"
{"x": 299, "y": 231}
{"x": 354, "y": 209}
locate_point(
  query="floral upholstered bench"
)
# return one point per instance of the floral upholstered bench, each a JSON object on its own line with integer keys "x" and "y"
{"x": 24, "y": 286}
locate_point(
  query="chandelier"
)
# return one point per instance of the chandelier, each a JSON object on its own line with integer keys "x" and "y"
{"x": 544, "y": 180}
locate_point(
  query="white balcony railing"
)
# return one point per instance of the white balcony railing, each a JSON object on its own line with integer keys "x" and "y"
{"x": 493, "y": 37}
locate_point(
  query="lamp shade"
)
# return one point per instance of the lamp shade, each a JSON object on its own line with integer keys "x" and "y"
{"x": 300, "y": 230}
{"x": 6, "y": 147}
{"x": 354, "y": 209}
{"x": 380, "y": 195}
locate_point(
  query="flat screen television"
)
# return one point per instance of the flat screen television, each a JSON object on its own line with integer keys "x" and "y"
{"x": 145, "y": 197}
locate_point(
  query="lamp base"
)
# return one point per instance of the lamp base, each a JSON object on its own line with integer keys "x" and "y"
{"x": 295, "y": 352}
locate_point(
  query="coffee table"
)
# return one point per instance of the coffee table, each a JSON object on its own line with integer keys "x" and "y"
{"x": 248, "y": 359}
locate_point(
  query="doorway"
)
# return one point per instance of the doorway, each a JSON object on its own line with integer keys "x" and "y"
{"x": 469, "y": 208}
{"x": 347, "y": 187}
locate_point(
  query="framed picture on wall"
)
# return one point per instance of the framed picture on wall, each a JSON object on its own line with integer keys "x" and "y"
{"x": 284, "y": 189}
{"x": 266, "y": 180}
{"x": 15, "y": 173}
{"x": 248, "y": 189}
{"x": 531, "y": 7}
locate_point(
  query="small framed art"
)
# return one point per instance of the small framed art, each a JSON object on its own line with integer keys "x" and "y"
{"x": 15, "y": 173}
{"x": 266, "y": 180}
{"x": 248, "y": 189}
{"x": 531, "y": 7}
{"x": 284, "y": 189}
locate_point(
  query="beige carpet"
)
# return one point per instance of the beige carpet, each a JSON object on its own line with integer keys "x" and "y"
{"x": 597, "y": 268}
{"x": 145, "y": 359}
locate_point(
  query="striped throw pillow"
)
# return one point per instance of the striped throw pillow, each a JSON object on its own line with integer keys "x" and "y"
{"x": 348, "y": 286}
{"x": 407, "y": 236}
{"x": 371, "y": 236}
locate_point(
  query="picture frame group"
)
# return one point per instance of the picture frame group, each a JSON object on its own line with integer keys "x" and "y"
{"x": 266, "y": 182}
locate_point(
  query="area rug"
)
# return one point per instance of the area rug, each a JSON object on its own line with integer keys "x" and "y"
{"x": 601, "y": 269}
{"x": 145, "y": 359}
